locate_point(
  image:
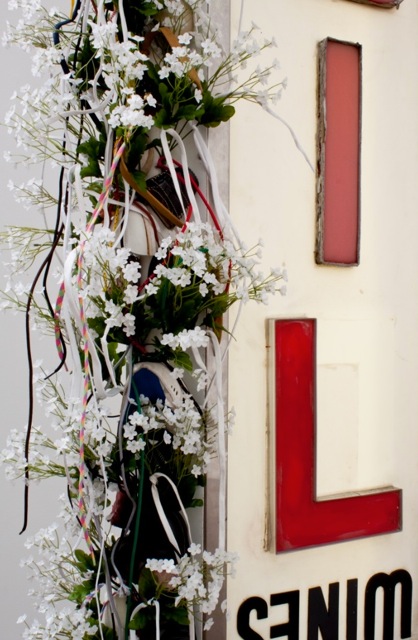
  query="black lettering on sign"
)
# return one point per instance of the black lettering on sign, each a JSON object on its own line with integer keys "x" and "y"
{"x": 351, "y": 609}
{"x": 243, "y": 617}
{"x": 289, "y": 629}
{"x": 320, "y": 617}
{"x": 388, "y": 584}
{"x": 323, "y": 617}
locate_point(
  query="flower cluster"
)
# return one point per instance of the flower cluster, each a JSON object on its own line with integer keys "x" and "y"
{"x": 198, "y": 277}
{"x": 54, "y": 574}
{"x": 158, "y": 63}
{"x": 197, "y": 578}
{"x": 109, "y": 280}
{"x": 183, "y": 427}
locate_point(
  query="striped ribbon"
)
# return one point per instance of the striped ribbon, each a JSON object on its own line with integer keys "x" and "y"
{"x": 102, "y": 199}
{"x": 57, "y": 318}
{"x": 82, "y": 511}
{"x": 87, "y": 374}
{"x": 120, "y": 150}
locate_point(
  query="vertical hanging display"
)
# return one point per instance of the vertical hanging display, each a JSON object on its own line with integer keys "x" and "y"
{"x": 148, "y": 262}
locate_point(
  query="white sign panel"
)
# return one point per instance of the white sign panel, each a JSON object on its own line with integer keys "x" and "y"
{"x": 325, "y": 519}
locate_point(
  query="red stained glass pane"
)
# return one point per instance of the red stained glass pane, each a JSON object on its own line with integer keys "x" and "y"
{"x": 301, "y": 519}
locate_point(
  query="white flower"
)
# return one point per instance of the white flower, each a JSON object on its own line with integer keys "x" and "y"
{"x": 139, "y": 420}
{"x": 203, "y": 289}
{"x": 196, "y": 471}
{"x": 103, "y": 35}
{"x": 211, "y": 49}
{"x": 194, "y": 549}
{"x": 164, "y": 72}
{"x": 135, "y": 445}
{"x": 185, "y": 38}
{"x": 128, "y": 322}
{"x": 130, "y": 294}
{"x": 162, "y": 250}
{"x": 186, "y": 338}
{"x": 132, "y": 271}
{"x": 151, "y": 101}
{"x": 115, "y": 315}
{"x": 167, "y": 565}
{"x": 130, "y": 431}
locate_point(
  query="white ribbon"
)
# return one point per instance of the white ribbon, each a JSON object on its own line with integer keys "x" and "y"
{"x": 221, "y": 439}
{"x": 143, "y": 605}
{"x": 185, "y": 169}
{"x": 160, "y": 510}
{"x": 192, "y": 635}
{"x": 127, "y": 211}
{"x": 220, "y": 209}
{"x": 123, "y": 21}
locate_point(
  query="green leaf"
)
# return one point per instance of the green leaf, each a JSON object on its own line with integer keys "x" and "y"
{"x": 139, "y": 621}
{"x": 182, "y": 360}
{"x": 96, "y": 186}
{"x": 161, "y": 118}
{"x": 187, "y": 112}
{"x": 140, "y": 179}
{"x": 146, "y": 584}
{"x": 81, "y": 591}
{"x": 136, "y": 149}
{"x": 115, "y": 355}
{"x": 163, "y": 89}
{"x": 151, "y": 11}
{"x": 187, "y": 489}
{"x": 196, "y": 503}
{"x": 153, "y": 73}
{"x": 217, "y": 115}
{"x": 227, "y": 112}
{"x": 215, "y": 111}
{"x": 142, "y": 618}
{"x": 93, "y": 150}
{"x": 91, "y": 170}
{"x": 177, "y": 614}
{"x": 85, "y": 561}
{"x": 106, "y": 631}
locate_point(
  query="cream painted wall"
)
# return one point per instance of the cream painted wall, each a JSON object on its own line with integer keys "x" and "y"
{"x": 367, "y": 315}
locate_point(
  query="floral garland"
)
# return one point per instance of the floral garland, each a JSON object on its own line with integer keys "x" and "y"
{"x": 147, "y": 268}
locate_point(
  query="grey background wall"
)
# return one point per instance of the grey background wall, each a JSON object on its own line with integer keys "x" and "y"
{"x": 14, "y": 585}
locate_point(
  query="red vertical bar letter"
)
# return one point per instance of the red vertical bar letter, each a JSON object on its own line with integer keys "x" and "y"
{"x": 301, "y": 519}
{"x": 339, "y": 130}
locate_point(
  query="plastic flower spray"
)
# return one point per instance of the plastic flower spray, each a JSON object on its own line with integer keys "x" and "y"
{"x": 148, "y": 262}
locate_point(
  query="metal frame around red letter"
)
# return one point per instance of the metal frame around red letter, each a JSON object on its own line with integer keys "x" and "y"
{"x": 301, "y": 519}
{"x": 382, "y": 4}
